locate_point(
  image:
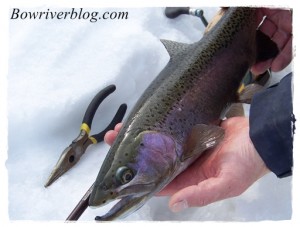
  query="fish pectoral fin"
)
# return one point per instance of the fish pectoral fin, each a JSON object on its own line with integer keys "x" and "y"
{"x": 201, "y": 138}
{"x": 248, "y": 92}
{"x": 173, "y": 47}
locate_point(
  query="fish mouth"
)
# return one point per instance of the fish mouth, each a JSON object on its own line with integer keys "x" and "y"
{"x": 124, "y": 207}
{"x": 127, "y": 202}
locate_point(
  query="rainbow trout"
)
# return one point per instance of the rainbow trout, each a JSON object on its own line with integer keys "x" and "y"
{"x": 176, "y": 119}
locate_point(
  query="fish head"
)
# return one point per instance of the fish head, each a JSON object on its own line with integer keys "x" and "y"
{"x": 133, "y": 171}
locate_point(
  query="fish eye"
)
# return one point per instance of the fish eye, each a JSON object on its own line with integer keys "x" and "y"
{"x": 124, "y": 174}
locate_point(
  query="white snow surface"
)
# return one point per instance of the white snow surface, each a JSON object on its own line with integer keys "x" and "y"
{"x": 55, "y": 69}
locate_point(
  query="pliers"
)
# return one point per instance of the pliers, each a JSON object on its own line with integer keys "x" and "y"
{"x": 173, "y": 12}
{"x": 71, "y": 155}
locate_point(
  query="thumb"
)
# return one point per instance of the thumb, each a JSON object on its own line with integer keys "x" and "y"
{"x": 206, "y": 192}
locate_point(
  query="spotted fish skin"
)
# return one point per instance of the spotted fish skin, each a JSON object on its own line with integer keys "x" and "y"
{"x": 194, "y": 88}
{"x": 195, "y": 78}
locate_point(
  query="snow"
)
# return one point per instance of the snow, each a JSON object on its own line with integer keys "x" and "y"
{"x": 55, "y": 69}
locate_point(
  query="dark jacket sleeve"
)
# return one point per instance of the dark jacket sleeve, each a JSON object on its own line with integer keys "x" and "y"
{"x": 272, "y": 126}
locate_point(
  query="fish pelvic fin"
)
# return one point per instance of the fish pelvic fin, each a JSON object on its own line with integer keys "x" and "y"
{"x": 173, "y": 47}
{"x": 265, "y": 47}
{"x": 201, "y": 138}
{"x": 248, "y": 92}
{"x": 235, "y": 110}
{"x": 250, "y": 86}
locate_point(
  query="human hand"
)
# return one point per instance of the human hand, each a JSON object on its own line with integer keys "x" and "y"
{"x": 111, "y": 135}
{"x": 278, "y": 26}
{"x": 223, "y": 172}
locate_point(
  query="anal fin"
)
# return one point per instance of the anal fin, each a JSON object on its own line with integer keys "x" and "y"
{"x": 201, "y": 138}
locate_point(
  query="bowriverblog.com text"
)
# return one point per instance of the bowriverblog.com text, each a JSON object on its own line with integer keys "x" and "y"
{"x": 72, "y": 14}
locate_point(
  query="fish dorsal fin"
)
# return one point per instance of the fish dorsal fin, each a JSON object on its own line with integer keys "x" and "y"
{"x": 173, "y": 47}
{"x": 201, "y": 138}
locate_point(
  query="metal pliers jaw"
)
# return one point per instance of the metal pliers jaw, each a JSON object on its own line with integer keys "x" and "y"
{"x": 71, "y": 155}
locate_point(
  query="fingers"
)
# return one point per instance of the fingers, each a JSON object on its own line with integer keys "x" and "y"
{"x": 118, "y": 127}
{"x": 185, "y": 179}
{"x": 111, "y": 135}
{"x": 280, "y": 62}
{"x": 284, "y": 57}
{"x": 281, "y": 38}
{"x": 190, "y": 176}
{"x": 282, "y": 18}
{"x": 199, "y": 171}
{"x": 259, "y": 16}
{"x": 278, "y": 26}
{"x": 268, "y": 27}
{"x": 261, "y": 67}
{"x": 206, "y": 192}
